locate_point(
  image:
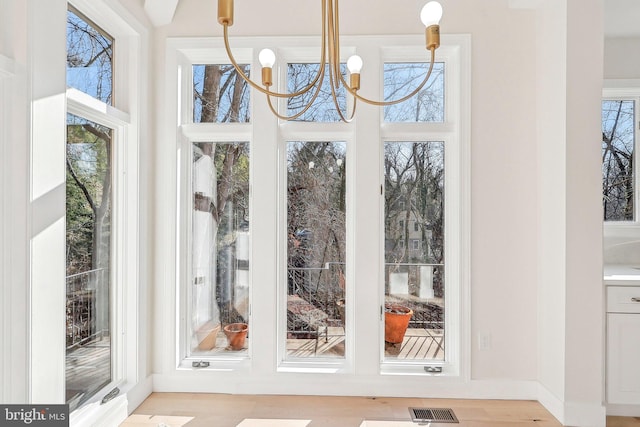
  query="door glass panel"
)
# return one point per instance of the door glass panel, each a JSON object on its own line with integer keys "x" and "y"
{"x": 220, "y": 95}
{"x": 400, "y": 79}
{"x": 414, "y": 251}
{"x": 219, "y": 290}
{"x": 316, "y": 249}
{"x": 618, "y": 144}
{"x": 88, "y": 247}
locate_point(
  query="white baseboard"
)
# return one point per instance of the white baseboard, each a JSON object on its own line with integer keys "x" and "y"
{"x": 585, "y": 414}
{"x": 137, "y": 394}
{"x": 112, "y": 413}
{"x": 326, "y": 385}
{"x": 572, "y": 413}
{"x": 623, "y": 410}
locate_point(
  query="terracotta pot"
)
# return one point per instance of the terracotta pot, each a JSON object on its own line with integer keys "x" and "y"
{"x": 396, "y": 322}
{"x": 236, "y": 334}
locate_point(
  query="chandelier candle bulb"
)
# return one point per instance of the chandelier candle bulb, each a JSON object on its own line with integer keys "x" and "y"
{"x": 267, "y": 58}
{"x": 431, "y": 14}
{"x": 354, "y": 64}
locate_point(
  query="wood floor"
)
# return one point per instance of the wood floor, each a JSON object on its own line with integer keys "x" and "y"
{"x": 220, "y": 410}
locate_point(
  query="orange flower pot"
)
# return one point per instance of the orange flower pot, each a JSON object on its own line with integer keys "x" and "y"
{"x": 236, "y": 334}
{"x": 396, "y": 322}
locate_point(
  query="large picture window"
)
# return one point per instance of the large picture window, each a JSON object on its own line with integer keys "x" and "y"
{"x": 327, "y": 223}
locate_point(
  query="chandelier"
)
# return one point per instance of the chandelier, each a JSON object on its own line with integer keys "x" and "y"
{"x": 430, "y": 17}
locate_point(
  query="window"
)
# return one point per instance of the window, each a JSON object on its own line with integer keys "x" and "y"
{"x": 323, "y": 108}
{"x": 400, "y": 79}
{"x": 89, "y": 57}
{"x": 89, "y": 209}
{"x": 101, "y": 205}
{"x": 220, "y": 247}
{"x": 414, "y": 279}
{"x": 316, "y": 250}
{"x": 218, "y": 292}
{"x": 341, "y": 219}
{"x": 219, "y": 95}
{"x": 619, "y": 170}
{"x": 89, "y": 214}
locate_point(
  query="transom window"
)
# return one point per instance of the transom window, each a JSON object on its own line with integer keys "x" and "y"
{"x": 89, "y": 57}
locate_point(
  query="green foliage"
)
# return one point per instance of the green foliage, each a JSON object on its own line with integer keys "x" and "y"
{"x": 87, "y": 205}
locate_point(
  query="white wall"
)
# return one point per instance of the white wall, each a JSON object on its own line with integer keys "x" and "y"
{"x": 570, "y": 291}
{"x": 621, "y": 59}
{"x": 14, "y": 167}
{"x": 33, "y": 211}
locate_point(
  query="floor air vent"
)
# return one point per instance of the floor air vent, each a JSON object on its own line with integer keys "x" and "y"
{"x": 432, "y": 415}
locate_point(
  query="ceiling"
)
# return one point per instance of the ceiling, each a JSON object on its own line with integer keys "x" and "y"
{"x": 621, "y": 17}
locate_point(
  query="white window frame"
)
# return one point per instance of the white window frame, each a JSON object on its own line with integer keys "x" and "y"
{"x": 189, "y": 133}
{"x": 454, "y": 132}
{"x": 125, "y": 119}
{"x": 626, "y": 90}
{"x": 268, "y": 219}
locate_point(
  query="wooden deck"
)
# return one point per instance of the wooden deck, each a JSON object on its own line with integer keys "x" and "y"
{"x": 88, "y": 367}
{"x": 418, "y": 344}
{"x": 427, "y": 344}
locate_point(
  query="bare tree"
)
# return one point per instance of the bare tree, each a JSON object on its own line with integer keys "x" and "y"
{"x": 617, "y": 160}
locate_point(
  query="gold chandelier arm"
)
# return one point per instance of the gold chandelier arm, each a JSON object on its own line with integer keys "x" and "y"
{"x": 335, "y": 84}
{"x": 259, "y": 88}
{"x": 334, "y": 59}
{"x": 395, "y": 101}
{"x": 334, "y": 41}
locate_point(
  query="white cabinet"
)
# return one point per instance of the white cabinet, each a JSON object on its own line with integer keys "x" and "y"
{"x": 623, "y": 345}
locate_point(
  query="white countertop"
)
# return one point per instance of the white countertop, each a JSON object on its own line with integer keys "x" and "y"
{"x": 622, "y": 275}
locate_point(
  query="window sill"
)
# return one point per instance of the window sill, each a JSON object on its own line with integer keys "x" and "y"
{"x": 213, "y": 364}
{"x": 419, "y": 369}
{"x": 316, "y": 366}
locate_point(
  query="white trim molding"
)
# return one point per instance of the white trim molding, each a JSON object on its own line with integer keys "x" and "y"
{"x": 160, "y": 12}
